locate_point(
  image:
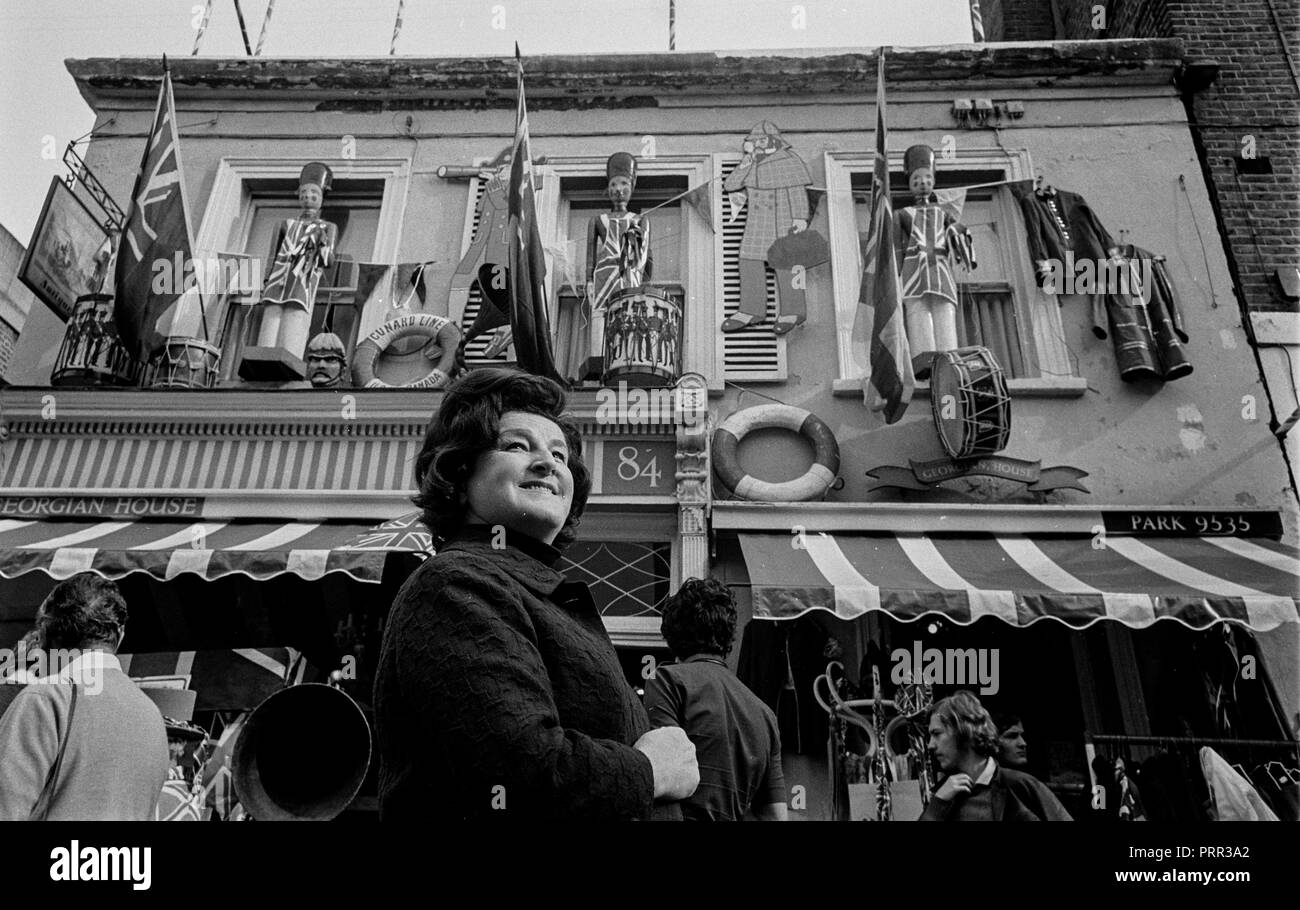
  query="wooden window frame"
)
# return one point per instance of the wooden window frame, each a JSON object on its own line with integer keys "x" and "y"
{"x": 227, "y": 217}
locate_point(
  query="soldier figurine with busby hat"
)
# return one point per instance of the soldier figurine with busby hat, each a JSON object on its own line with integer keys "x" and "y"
{"x": 618, "y": 259}
{"x": 928, "y": 238}
{"x": 303, "y": 248}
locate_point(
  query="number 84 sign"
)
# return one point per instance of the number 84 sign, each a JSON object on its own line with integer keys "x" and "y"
{"x": 634, "y": 468}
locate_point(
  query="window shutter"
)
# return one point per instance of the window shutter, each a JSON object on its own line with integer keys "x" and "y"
{"x": 756, "y": 353}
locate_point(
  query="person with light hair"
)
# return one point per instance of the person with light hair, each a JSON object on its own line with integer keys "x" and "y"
{"x": 964, "y": 741}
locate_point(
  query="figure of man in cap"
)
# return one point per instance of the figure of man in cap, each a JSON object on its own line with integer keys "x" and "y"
{"x": 326, "y": 361}
{"x": 927, "y": 238}
{"x": 618, "y": 257}
{"x": 774, "y": 179}
{"x": 304, "y": 247}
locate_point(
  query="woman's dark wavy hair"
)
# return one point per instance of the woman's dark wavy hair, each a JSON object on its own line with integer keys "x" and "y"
{"x": 466, "y": 426}
{"x": 700, "y": 618}
{"x": 80, "y": 612}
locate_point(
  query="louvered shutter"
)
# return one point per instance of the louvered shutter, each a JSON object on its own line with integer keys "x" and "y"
{"x": 755, "y": 353}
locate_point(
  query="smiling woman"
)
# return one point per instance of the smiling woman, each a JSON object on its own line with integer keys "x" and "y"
{"x": 498, "y": 692}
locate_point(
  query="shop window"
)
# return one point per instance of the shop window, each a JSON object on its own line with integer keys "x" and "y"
{"x": 1000, "y": 306}
{"x": 571, "y": 192}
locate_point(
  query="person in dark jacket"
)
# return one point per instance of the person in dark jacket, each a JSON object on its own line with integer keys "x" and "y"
{"x": 735, "y": 734}
{"x": 963, "y": 741}
{"x": 498, "y": 693}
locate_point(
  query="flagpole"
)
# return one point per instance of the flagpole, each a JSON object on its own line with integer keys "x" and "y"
{"x": 243, "y": 29}
{"x": 203, "y": 27}
{"x": 266, "y": 21}
{"x": 397, "y": 28}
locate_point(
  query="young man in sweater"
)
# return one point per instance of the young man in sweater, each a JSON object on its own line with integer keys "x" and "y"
{"x": 964, "y": 742}
{"x": 113, "y": 744}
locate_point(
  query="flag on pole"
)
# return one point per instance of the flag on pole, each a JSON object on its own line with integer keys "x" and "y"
{"x": 890, "y": 383}
{"x": 529, "y": 325}
{"x": 156, "y": 236}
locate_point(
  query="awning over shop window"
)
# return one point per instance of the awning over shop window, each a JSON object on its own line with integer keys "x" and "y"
{"x": 1022, "y": 579}
{"x": 210, "y": 549}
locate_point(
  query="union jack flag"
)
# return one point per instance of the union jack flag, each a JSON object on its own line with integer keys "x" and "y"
{"x": 890, "y": 383}
{"x": 157, "y": 227}
{"x": 529, "y": 324}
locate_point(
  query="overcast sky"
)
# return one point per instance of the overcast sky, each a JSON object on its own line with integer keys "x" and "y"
{"x": 38, "y": 98}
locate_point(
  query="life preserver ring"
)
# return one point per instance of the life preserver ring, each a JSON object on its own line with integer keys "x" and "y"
{"x": 812, "y": 485}
{"x": 422, "y": 324}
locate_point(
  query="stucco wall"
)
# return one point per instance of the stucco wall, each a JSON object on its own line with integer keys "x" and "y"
{"x": 1126, "y": 149}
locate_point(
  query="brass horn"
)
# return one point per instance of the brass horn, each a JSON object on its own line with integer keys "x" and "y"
{"x": 281, "y": 769}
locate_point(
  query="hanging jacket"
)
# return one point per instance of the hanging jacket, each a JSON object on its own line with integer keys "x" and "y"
{"x": 1057, "y": 222}
{"x": 1234, "y": 798}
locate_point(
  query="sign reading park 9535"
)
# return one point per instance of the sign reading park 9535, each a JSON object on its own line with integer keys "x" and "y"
{"x": 1171, "y": 523}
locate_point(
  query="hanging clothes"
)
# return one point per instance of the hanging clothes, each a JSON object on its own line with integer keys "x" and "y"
{"x": 1142, "y": 318}
{"x": 1057, "y": 222}
{"x": 1234, "y": 797}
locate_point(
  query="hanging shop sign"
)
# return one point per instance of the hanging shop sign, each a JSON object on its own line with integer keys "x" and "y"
{"x": 924, "y": 475}
{"x": 68, "y": 253}
{"x": 106, "y": 506}
{"x": 1194, "y": 524}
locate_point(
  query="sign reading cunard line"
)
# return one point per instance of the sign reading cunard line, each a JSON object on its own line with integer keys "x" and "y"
{"x": 924, "y": 475}
{"x": 105, "y": 506}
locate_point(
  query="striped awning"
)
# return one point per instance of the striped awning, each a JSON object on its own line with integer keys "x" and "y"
{"x": 1022, "y": 579}
{"x": 211, "y": 548}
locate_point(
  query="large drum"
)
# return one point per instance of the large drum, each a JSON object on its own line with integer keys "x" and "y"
{"x": 972, "y": 410}
{"x": 91, "y": 354}
{"x": 185, "y": 363}
{"x": 643, "y": 338}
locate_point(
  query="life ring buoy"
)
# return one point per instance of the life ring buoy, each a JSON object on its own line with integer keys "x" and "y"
{"x": 425, "y": 325}
{"x": 812, "y": 485}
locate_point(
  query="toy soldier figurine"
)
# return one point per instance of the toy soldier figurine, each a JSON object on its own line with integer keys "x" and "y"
{"x": 326, "y": 361}
{"x": 618, "y": 257}
{"x": 927, "y": 238}
{"x": 303, "y": 248}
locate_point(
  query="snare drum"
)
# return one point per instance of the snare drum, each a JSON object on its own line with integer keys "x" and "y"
{"x": 185, "y": 363}
{"x": 91, "y": 353}
{"x": 972, "y": 410}
{"x": 643, "y": 336}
